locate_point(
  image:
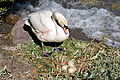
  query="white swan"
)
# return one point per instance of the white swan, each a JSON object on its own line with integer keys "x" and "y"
{"x": 48, "y": 26}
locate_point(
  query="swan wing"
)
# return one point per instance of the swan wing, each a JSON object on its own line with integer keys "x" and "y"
{"x": 41, "y": 21}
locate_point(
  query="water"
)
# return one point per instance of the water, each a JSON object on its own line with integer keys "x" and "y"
{"x": 95, "y": 22}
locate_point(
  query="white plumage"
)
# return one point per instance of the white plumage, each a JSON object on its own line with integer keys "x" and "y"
{"x": 48, "y": 26}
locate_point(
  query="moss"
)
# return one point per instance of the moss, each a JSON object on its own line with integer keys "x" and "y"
{"x": 97, "y": 3}
{"x": 116, "y": 6}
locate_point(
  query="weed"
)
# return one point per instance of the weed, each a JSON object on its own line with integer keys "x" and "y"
{"x": 90, "y": 61}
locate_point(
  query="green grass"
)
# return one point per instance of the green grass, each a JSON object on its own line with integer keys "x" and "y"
{"x": 94, "y": 61}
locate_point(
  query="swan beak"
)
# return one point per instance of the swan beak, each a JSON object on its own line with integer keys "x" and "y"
{"x": 65, "y": 29}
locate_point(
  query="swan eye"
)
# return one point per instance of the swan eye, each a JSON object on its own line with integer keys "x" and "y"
{"x": 66, "y": 27}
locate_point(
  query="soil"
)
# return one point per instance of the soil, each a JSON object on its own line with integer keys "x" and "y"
{"x": 16, "y": 67}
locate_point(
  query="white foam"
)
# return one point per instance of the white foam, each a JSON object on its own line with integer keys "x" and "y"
{"x": 93, "y": 21}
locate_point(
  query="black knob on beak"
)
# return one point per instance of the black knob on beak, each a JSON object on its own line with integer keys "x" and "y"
{"x": 66, "y": 27}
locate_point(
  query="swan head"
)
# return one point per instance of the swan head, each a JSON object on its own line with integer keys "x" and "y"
{"x": 61, "y": 21}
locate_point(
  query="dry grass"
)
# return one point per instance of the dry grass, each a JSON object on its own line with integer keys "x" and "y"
{"x": 90, "y": 61}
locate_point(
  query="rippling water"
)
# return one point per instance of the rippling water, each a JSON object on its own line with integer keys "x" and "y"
{"x": 95, "y": 22}
{"x": 96, "y": 18}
